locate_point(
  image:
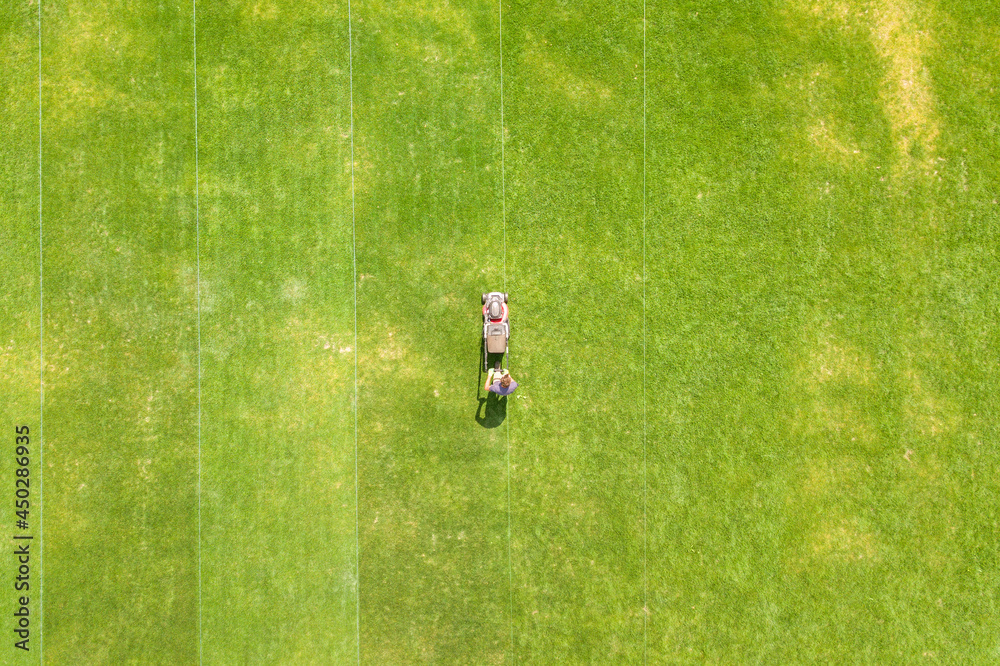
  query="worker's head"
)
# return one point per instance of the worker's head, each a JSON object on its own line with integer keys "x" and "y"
{"x": 505, "y": 381}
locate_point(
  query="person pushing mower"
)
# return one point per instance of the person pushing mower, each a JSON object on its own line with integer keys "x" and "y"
{"x": 496, "y": 334}
{"x": 499, "y": 381}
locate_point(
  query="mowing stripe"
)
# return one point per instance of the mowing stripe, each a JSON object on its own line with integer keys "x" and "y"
{"x": 645, "y": 599}
{"x": 41, "y": 373}
{"x": 354, "y": 263}
{"x": 197, "y": 236}
{"x": 503, "y": 209}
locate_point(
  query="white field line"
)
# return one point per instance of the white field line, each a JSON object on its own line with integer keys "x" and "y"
{"x": 503, "y": 176}
{"x": 354, "y": 263}
{"x": 503, "y": 209}
{"x": 41, "y": 373}
{"x": 197, "y": 235}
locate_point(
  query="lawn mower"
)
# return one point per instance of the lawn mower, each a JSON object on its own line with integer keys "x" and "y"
{"x": 496, "y": 329}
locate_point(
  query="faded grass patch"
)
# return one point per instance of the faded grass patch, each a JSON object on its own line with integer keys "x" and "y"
{"x": 94, "y": 360}
{"x": 557, "y": 75}
{"x": 89, "y": 38}
{"x": 830, "y": 536}
{"x": 394, "y": 353}
{"x": 825, "y": 132}
{"x": 823, "y": 477}
{"x": 843, "y": 541}
{"x": 304, "y": 400}
{"x": 443, "y": 19}
{"x": 197, "y": 291}
{"x": 826, "y": 373}
{"x": 74, "y": 91}
{"x": 391, "y": 349}
{"x": 899, "y": 33}
{"x": 827, "y": 137}
{"x": 833, "y": 417}
{"x": 269, "y": 10}
{"x": 293, "y": 289}
{"x": 69, "y": 515}
{"x": 19, "y": 369}
{"x": 840, "y": 11}
{"x": 218, "y": 192}
{"x": 321, "y": 369}
{"x": 830, "y": 360}
{"x": 442, "y": 14}
{"x": 901, "y": 38}
{"x": 927, "y": 414}
{"x": 19, "y": 60}
{"x": 365, "y": 174}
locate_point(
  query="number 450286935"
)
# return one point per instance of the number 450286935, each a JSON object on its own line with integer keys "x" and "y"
{"x": 23, "y": 472}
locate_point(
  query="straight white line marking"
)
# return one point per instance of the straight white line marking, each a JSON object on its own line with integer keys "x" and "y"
{"x": 503, "y": 208}
{"x": 645, "y": 598}
{"x": 41, "y": 373}
{"x": 197, "y": 235}
{"x": 503, "y": 177}
{"x": 354, "y": 263}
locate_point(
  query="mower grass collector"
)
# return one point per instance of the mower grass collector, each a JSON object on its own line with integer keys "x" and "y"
{"x": 496, "y": 329}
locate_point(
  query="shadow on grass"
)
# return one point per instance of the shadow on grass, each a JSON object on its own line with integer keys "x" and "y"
{"x": 495, "y": 405}
{"x": 495, "y": 413}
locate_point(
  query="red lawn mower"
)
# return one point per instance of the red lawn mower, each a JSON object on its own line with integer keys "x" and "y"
{"x": 496, "y": 329}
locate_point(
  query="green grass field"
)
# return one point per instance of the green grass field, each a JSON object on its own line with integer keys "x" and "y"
{"x": 751, "y": 249}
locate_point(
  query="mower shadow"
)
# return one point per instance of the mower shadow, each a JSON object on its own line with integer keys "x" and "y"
{"x": 495, "y": 413}
{"x": 495, "y": 406}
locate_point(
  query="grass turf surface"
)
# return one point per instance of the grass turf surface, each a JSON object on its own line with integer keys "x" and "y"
{"x": 824, "y": 484}
{"x": 278, "y": 501}
{"x": 120, "y": 330}
{"x": 820, "y": 234}
{"x": 19, "y": 303}
{"x": 432, "y": 496}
